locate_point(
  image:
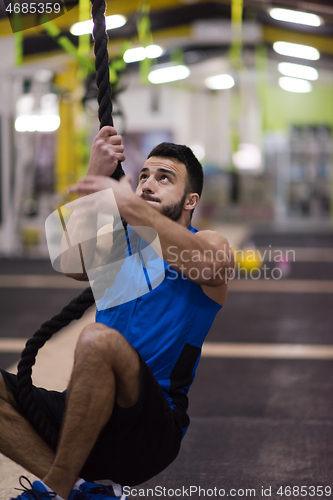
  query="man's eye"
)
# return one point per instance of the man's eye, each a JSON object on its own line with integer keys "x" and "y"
{"x": 142, "y": 177}
{"x": 164, "y": 177}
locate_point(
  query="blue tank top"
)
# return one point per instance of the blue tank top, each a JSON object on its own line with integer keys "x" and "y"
{"x": 167, "y": 325}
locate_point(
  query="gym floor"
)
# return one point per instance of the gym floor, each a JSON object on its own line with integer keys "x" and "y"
{"x": 261, "y": 405}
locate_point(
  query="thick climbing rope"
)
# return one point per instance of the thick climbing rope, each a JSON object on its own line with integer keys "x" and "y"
{"x": 76, "y": 308}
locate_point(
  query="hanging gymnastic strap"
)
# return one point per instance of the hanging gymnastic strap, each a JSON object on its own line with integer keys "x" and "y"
{"x": 76, "y": 308}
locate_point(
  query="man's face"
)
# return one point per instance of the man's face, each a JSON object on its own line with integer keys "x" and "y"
{"x": 162, "y": 184}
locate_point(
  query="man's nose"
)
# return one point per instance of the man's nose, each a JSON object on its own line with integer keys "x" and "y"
{"x": 148, "y": 185}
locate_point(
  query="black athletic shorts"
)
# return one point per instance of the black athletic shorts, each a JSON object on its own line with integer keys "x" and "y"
{"x": 136, "y": 444}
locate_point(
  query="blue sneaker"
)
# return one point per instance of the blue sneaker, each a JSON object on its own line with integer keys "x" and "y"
{"x": 93, "y": 491}
{"x": 86, "y": 491}
{"x": 33, "y": 491}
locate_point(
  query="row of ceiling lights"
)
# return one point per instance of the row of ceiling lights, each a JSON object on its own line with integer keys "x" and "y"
{"x": 296, "y": 77}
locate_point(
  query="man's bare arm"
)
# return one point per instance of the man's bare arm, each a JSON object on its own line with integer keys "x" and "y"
{"x": 107, "y": 150}
{"x": 205, "y": 257}
{"x": 93, "y": 250}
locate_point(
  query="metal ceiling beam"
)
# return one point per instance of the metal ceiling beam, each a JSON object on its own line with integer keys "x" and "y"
{"x": 165, "y": 9}
{"x": 128, "y": 8}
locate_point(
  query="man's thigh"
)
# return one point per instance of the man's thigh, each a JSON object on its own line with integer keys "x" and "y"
{"x": 100, "y": 346}
{"x": 138, "y": 442}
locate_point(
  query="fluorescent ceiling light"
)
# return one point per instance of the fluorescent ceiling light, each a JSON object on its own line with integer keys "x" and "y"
{"x": 140, "y": 53}
{"x": 48, "y": 123}
{"x": 293, "y": 16}
{"x": 116, "y": 21}
{"x": 296, "y": 50}
{"x": 220, "y": 82}
{"x": 36, "y": 123}
{"x": 25, "y": 105}
{"x": 49, "y": 104}
{"x": 86, "y": 27}
{"x": 248, "y": 157}
{"x": 298, "y": 71}
{"x": 43, "y": 75}
{"x": 169, "y": 74}
{"x": 295, "y": 85}
{"x": 26, "y": 123}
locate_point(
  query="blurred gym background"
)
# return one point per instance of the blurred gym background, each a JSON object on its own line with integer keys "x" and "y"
{"x": 247, "y": 86}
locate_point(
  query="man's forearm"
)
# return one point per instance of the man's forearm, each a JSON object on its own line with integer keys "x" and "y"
{"x": 207, "y": 254}
{"x": 79, "y": 243}
{"x": 181, "y": 248}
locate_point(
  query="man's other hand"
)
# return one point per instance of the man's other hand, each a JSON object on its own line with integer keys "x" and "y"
{"x": 123, "y": 194}
{"x": 106, "y": 151}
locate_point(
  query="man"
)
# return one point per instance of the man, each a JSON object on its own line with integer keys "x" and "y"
{"x": 124, "y": 413}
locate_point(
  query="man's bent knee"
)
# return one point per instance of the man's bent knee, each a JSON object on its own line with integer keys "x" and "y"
{"x": 104, "y": 342}
{"x": 98, "y": 337}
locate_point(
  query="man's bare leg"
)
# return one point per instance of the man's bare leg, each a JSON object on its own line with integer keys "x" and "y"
{"x": 106, "y": 368}
{"x": 18, "y": 440}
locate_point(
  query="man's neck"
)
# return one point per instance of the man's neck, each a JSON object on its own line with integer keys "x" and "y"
{"x": 184, "y": 221}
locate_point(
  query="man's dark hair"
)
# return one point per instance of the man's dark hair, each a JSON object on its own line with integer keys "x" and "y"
{"x": 185, "y": 155}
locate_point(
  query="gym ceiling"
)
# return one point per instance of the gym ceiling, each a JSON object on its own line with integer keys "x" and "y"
{"x": 174, "y": 23}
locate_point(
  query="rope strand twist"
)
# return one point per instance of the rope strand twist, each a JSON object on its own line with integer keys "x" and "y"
{"x": 77, "y": 307}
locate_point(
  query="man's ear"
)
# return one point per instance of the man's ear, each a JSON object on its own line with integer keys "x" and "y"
{"x": 191, "y": 201}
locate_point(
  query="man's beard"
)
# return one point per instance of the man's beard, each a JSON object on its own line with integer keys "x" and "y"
{"x": 174, "y": 211}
